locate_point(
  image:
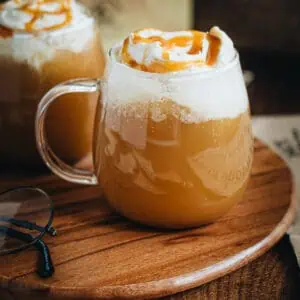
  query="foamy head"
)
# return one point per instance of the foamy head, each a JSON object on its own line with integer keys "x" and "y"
{"x": 209, "y": 91}
{"x": 40, "y": 27}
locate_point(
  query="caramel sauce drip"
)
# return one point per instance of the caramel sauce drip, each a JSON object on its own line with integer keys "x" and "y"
{"x": 166, "y": 65}
{"x": 179, "y": 41}
{"x": 213, "y": 50}
{"x": 5, "y": 32}
{"x": 198, "y": 38}
{"x": 37, "y": 13}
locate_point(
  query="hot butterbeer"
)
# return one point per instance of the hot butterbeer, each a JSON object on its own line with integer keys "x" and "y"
{"x": 174, "y": 143}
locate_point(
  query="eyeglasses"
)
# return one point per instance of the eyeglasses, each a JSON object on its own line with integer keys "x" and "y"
{"x": 26, "y": 215}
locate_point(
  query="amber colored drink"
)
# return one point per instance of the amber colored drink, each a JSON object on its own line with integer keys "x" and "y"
{"x": 70, "y": 121}
{"x": 170, "y": 172}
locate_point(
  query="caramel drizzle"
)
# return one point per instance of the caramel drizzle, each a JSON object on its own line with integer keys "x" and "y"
{"x": 181, "y": 41}
{"x": 213, "y": 50}
{"x": 37, "y": 13}
{"x": 5, "y": 32}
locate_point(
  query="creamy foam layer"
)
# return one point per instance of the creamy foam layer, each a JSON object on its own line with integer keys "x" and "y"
{"x": 209, "y": 92}
{"x": 207, "y": 95}
{"x": 40, "y": 28}
{"x": 155, "y": 51}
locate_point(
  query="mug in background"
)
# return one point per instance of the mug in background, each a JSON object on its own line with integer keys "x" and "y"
{"x": 31, "y": 64}
{"x": 170, "y": 150}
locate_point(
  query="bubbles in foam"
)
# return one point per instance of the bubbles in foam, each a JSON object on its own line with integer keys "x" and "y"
{"x": 195, "y": 97}
{"x": 157, "y": 115}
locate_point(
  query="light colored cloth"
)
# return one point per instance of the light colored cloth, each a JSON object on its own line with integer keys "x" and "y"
{"x": 282, "y": 134}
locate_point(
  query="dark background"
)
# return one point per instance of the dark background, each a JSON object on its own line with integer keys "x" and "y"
{"x": 267, "y": 35}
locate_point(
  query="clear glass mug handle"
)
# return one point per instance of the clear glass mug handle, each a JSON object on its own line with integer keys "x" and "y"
{"x": 57, "y": 166}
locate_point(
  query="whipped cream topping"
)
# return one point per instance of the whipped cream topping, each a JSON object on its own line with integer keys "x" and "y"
{"x": 201, "y": 90}
{"x": 36, "y": 15}
{"x": 155, "y": 51}
{"x": 40, "y": 27}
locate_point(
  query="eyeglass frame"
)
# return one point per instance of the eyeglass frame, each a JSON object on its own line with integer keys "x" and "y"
{"x": 47, "y": 267}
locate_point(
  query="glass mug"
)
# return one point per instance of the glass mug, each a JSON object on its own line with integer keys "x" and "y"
{"x": 31, "y": 64}
{"x": 170, "y": 150}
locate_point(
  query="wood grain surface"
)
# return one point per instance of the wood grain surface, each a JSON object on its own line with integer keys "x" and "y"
{"x": 275, "y": 275}
{"x": 99, "y": 254}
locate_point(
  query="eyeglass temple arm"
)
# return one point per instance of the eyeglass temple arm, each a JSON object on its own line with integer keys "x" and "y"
{"x": 29, "y": 225}
{"x": 45, "y": 267}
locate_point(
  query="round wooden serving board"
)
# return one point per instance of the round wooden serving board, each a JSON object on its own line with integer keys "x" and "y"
{"x": 99, "y": 254}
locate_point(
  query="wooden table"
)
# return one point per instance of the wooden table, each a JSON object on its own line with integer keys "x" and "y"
{"x": 274, "y": 275}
